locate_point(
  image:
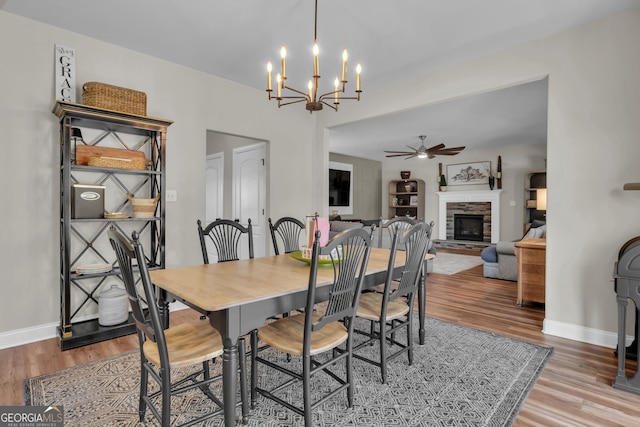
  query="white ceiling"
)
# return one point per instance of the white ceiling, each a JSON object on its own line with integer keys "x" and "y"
{"x": 391, "y": 39}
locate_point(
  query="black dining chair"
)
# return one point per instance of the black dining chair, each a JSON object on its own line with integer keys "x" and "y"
{"x": 288, "y": 230}
{"x": 225, "y": 235}
{"x": 391, "y": 226}
{"x": 162, "y": 351}
{"x": 391, "y": 310}
{"x": 321, "y": 329}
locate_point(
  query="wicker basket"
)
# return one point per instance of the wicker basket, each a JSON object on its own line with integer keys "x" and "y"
{"x": 143, "y": 208}
{"x": 114, "y": 98}
{"x": 115, "y": 162}
{"x": 107, "y": 157}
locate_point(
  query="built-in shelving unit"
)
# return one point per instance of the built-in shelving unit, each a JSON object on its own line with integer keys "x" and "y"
{"x": 406, "y": 198}
{"x": 534, "y": 181}
{"x": 84, "y": 241}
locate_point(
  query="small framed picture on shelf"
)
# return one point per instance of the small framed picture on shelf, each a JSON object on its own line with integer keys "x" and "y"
{"x": 413, "y": 201}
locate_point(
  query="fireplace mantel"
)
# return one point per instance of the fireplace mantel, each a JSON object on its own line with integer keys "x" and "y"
{"x": 492, "y": 196}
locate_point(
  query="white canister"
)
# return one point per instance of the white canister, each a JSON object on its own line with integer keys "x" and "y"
{"x": 113, "y": 307}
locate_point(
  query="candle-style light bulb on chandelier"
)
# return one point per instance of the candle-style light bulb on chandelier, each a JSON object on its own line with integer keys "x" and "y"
{"x": 313, "y": 101}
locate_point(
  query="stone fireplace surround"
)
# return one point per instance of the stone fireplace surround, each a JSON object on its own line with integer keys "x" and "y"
{"x": 469, "y": 197}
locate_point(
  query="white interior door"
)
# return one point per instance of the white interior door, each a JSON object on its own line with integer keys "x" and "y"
{"x": 249, "y": 193}
{"x": 215, "y": 194}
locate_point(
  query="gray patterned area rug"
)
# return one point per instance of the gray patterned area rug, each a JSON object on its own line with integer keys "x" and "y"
{"x": 460, "y": 377}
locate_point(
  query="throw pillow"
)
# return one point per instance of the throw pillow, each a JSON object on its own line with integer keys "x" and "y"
{"x": 542, "y": 231}
{"x": 537, "y": 233}
{"x": 531, "y": 234}
{"x": 489, "y": 254}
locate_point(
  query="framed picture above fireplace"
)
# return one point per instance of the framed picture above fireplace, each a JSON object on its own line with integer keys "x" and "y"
{"x": 468, "y": 173}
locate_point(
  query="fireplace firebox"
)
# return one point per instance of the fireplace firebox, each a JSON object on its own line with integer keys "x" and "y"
{"x": 468, "y": 227}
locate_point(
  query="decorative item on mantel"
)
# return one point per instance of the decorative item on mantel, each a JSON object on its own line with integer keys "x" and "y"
{"x": 443, "y": 183}
{"x": 499, "y": 173}
{"x": 405, "y": 175}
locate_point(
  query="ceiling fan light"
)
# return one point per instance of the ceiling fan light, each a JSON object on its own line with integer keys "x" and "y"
{"x": 422, "y": 155}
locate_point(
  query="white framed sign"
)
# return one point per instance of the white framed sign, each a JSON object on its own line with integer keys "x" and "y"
{"x": 65, "y": 66}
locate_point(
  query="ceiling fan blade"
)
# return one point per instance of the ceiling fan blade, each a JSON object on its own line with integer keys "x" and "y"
{"x": 398, "y": 152}
{"x": 414, "y": 149}
{"x": 455, "y": 148}
{"x": 446, "y": 153}
{"x": 400, "y": 155}
{"x": 436, "y": 147}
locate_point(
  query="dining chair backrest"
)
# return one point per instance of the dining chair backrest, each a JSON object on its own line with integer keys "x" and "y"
{"x": 391, "y": 309}
{"x": 150, "y": 326}
{"x": 349, "y": 252}
{"x": 288, "y": 230}
{"x": 415, "y": 242}
{"x": 225, "y": 235}
{"x": 392, "y": 226}
{"x": 164, "y": 348}
{"x": 431, "y": 225}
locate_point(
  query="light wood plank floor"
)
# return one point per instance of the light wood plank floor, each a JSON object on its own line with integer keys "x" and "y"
{"x": 573, "y": 390}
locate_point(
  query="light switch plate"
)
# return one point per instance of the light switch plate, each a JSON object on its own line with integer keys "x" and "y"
{"x": 172, "y": 196}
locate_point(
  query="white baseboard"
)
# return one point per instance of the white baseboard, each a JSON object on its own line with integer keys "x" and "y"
{"x": 550, "y": 327}
{"x": 582, "y": 334}
{"x": 28, "y": 335}
{"x": 47, "y": 331}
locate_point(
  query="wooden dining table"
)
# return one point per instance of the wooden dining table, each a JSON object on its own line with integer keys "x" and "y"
{"x": 239, "y": 296}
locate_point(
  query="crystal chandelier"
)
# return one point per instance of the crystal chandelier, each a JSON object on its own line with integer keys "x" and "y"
{"x": 313, "y": 101}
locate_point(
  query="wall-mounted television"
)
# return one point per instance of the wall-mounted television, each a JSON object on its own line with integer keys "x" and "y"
{"x": 341, "y": 188}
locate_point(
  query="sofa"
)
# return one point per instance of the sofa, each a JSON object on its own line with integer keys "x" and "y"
{"x": 500, "y": 259}
{"x": 338, "y": 226}
{"x": 372, "y": 227}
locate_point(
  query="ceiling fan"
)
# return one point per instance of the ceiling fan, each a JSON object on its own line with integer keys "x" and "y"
{"x": 423, "y": 152}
